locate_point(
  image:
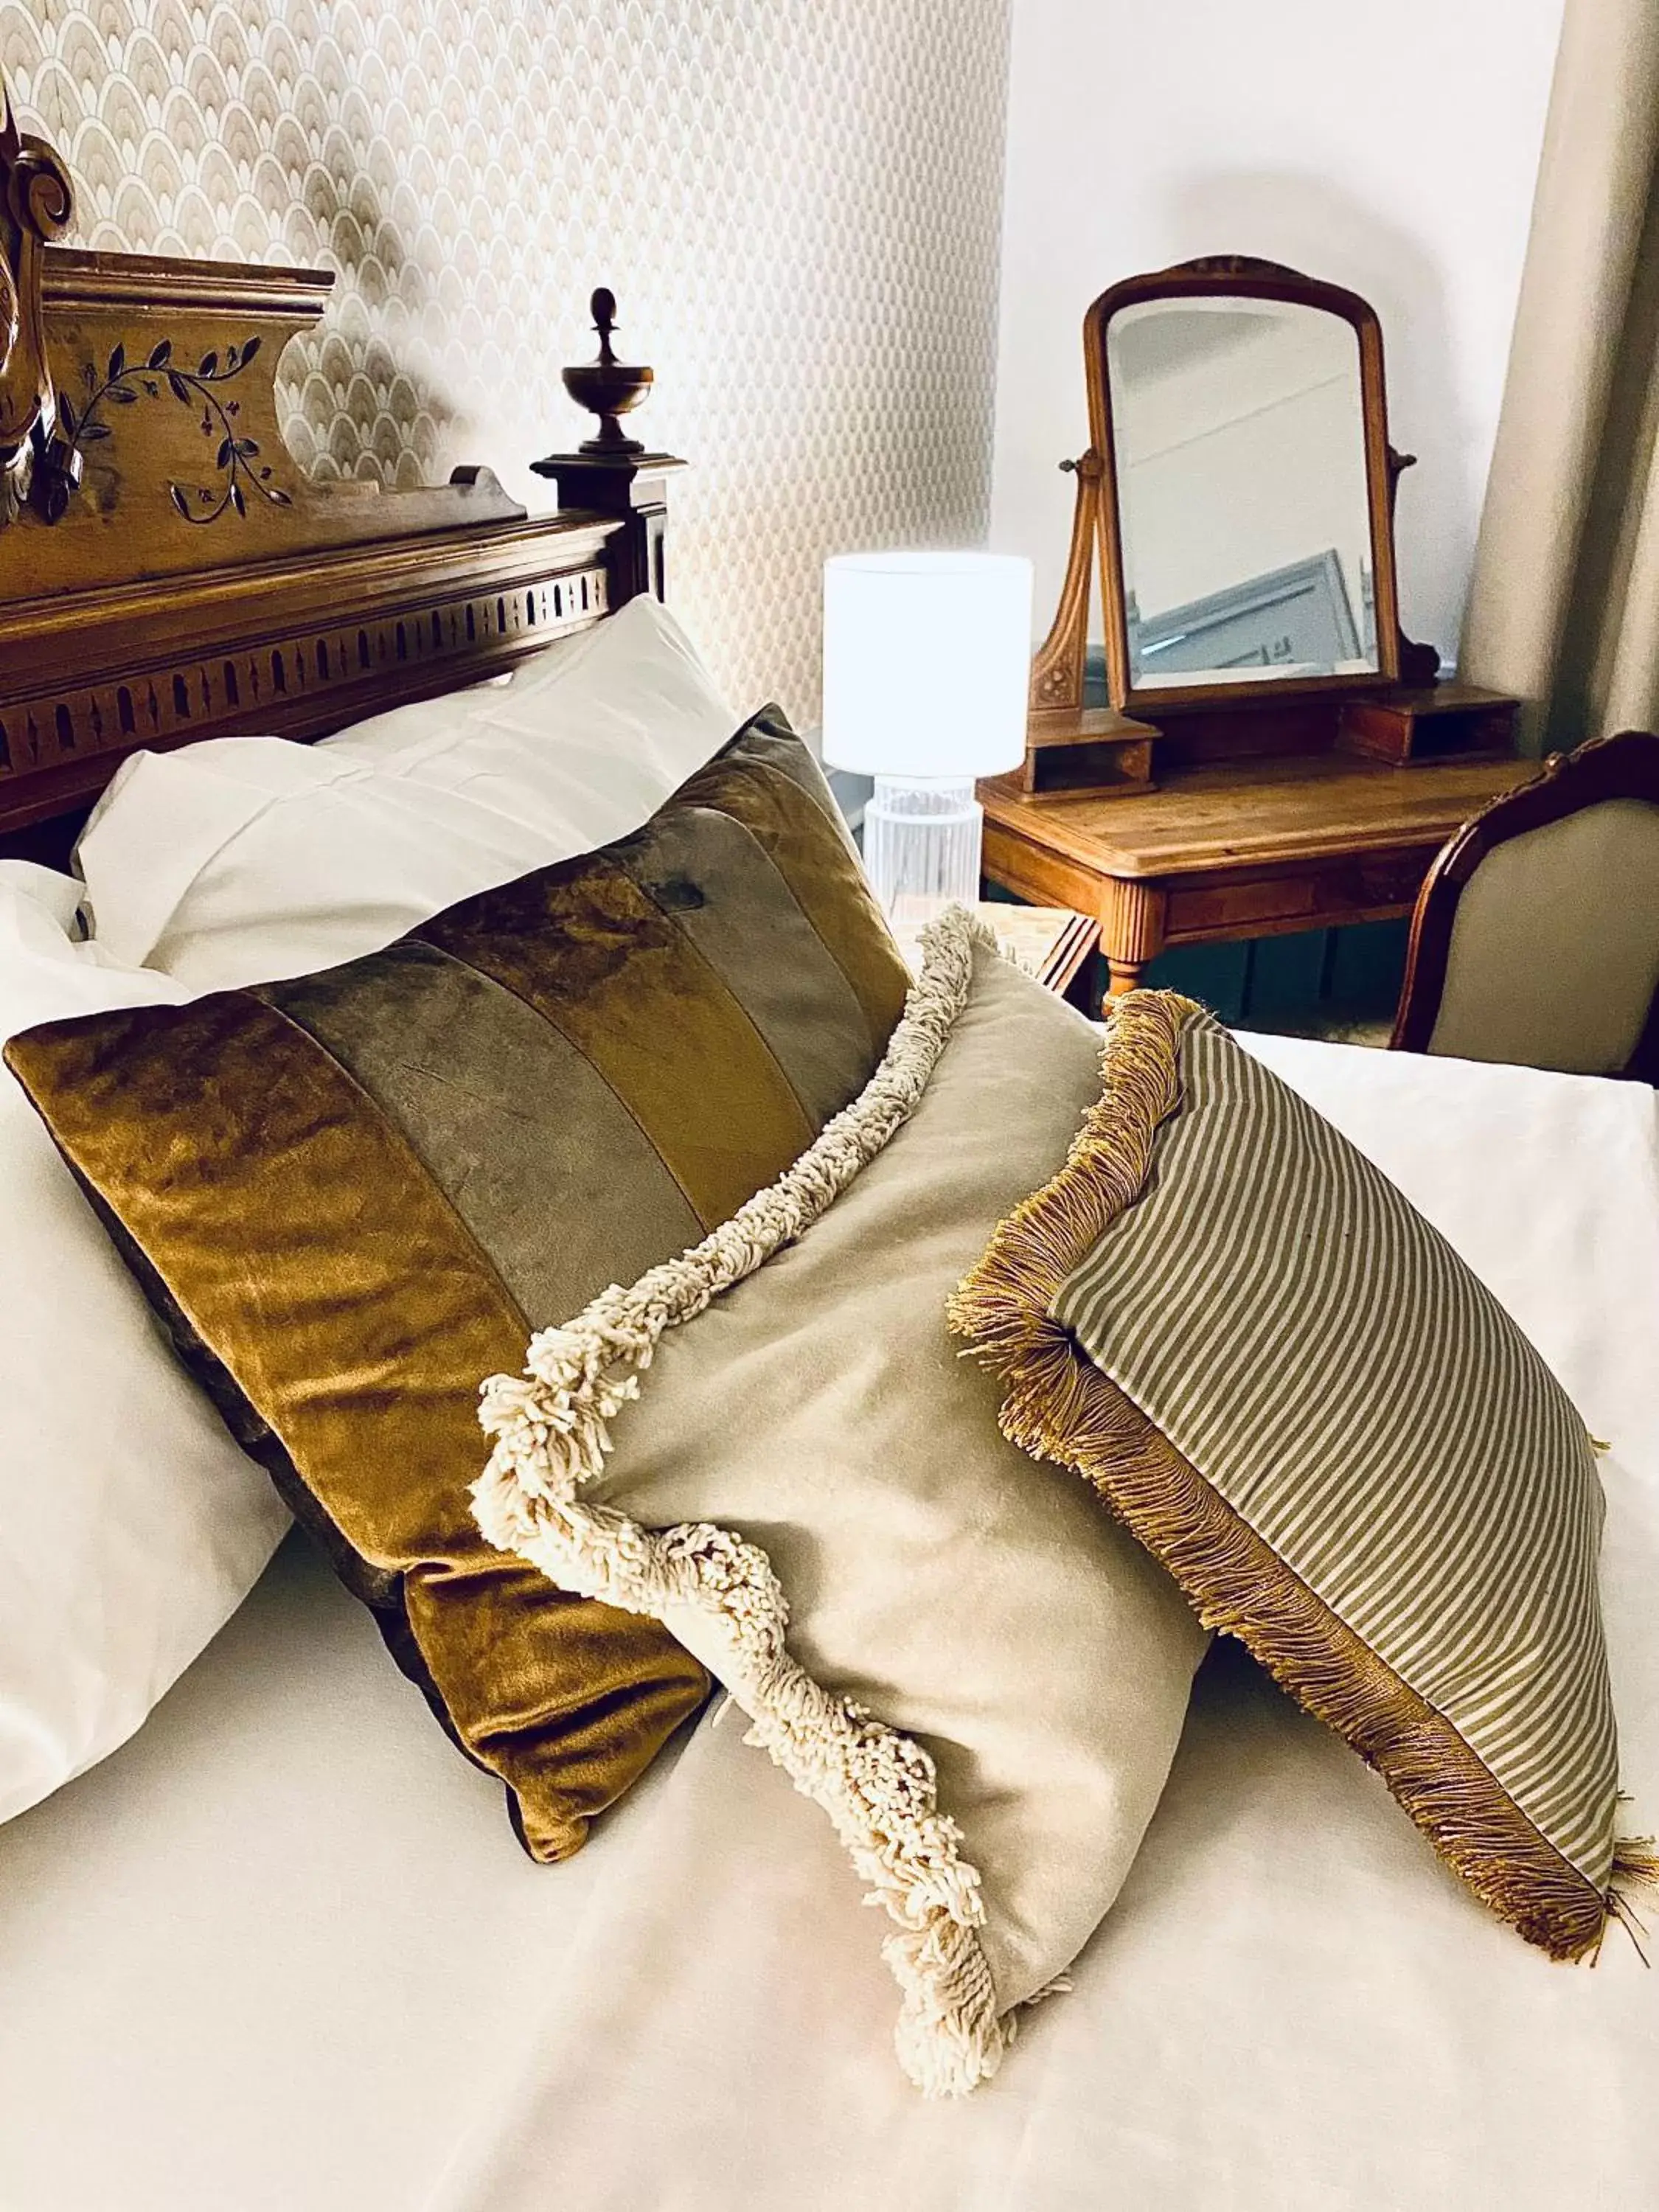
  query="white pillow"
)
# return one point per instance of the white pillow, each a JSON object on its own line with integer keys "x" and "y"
{"x": 241, "y": 861}
{"x": 131, "y": 1525}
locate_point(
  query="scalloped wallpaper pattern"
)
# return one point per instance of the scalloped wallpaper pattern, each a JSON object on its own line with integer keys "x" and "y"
{"x": 796, "y": 202}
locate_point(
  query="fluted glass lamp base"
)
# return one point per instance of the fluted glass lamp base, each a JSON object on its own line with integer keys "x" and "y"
{"x": 922, "y": 846}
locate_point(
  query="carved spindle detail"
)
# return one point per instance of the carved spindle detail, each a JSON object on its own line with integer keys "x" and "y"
{"x": 36, "y": 202}
{"x": 1419, "y": 664}
{"x": 289, "y": 676}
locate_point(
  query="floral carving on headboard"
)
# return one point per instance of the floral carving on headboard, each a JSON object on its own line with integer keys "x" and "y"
{"x": 44, "y": 432}
{"x": 237, "y": 459}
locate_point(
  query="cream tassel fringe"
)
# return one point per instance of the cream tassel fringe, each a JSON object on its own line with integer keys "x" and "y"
{"x": 578, "y": 1377}
{"x": 551, "y": 1428}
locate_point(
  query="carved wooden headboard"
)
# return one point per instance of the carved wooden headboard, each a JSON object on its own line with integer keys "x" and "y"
{"x": 167, "y": 573}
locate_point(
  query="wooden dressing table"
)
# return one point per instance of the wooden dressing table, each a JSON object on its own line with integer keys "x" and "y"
{"x": 1276, "y": 756}
{"x": 1246, "y": 849}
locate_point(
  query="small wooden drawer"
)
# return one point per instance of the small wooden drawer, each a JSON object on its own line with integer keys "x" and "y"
{"x": 1238, "y": 910}
{"x": 1329, "y": 890}
{"x": 1444, "y": 722}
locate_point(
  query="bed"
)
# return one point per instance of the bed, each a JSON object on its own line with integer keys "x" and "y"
{"x": 237, "y": 1969}
{"x": 280, "y": 1952}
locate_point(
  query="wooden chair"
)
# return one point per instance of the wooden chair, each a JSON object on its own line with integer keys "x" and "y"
{"x": 1535, "y": 939}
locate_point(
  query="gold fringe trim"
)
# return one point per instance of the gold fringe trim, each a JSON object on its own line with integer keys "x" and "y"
{"x": 1058, "y": 1405}
{"x": 1635, "y": 1866}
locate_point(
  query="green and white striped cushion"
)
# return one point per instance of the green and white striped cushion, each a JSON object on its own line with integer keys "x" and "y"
{"x": 1292, "y": 1390}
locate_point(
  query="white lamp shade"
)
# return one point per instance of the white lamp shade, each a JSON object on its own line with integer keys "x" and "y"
{"x": 926, "y": 661}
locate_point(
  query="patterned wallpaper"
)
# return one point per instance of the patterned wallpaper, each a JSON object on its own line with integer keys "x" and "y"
{"x": 796, "y": 201}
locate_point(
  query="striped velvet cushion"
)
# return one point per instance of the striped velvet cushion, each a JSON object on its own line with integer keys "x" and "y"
{"x": 353, "y": 1194}
{"x": 1293, "y": 1391}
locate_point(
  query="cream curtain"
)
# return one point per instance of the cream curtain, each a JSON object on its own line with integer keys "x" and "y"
{"x": 1564, "y": 607}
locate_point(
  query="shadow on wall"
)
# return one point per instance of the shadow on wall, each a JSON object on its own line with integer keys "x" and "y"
{"x": 366, "y": 380}
{"x": 1319, "y": 229}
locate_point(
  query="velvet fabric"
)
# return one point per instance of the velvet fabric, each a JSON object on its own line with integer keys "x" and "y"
{"x": 976, "y": 1602}
{"x": 355, "y": 1194}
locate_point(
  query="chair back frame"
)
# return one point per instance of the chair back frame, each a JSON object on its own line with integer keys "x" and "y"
{"x": 1622, "y": 767}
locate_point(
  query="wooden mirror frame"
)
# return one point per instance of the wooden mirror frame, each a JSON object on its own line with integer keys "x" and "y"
{"x": 1231, "y": 277}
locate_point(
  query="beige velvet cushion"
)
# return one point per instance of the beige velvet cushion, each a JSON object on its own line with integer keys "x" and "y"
{"x": 1554, "y": 956}
{"x": 985, "y": 1607}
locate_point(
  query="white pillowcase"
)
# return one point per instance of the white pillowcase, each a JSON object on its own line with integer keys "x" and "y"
{"x": 241, "y": 861}
{"x": 131, "y": 1525}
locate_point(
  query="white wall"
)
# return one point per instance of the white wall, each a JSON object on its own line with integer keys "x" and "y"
{"x": 1393, "y": 150}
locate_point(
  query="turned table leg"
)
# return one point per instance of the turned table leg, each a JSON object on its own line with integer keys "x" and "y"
{"x": 1131, "y": 917}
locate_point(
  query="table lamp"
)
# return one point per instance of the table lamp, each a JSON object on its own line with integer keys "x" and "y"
{"x": 926, "y": 661}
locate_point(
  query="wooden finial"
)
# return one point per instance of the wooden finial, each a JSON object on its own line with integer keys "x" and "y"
{"x": 603, "y": 307}
{"x": 607, "y": 388}
{"x": 36, "y": 202}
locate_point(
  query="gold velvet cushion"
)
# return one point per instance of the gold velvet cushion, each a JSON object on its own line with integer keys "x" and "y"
{"x": 1288, "y": 1386}
{"x": 772, "y": 1445}
{"x": 353, "y": 1194}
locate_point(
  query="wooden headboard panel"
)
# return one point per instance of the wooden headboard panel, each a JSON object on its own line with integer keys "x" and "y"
{"x": 167, "y": 572}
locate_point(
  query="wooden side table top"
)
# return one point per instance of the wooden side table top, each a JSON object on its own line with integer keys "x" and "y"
{"x": 1050, "y": 943}
{"x": 1243, "y": 848}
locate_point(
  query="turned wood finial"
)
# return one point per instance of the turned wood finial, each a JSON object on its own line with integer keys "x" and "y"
{"x": 603, "y": 309}
{"x": 36, "y": 202}
{"x": 607, "y": 388}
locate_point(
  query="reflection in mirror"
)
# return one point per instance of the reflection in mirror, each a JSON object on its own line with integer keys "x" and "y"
{"x": 1239, "y": 431}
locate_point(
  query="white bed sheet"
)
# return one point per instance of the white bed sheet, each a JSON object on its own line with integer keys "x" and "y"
{"x": 1292, "y": 2008}
{"x": 280, "y": 1953}
{"x": 268, "y": 1956}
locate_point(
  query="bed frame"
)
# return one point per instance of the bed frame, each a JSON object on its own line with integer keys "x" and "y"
{"x": 166, "y": 570}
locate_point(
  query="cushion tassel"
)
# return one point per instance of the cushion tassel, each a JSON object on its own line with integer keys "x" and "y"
{"x": 1635, "y": 1866}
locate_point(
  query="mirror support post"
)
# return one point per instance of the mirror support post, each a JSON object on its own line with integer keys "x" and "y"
{"x": 1419, "y": 664}
{"x": 1062, "y": 734}
{"x": 1057, "y": 671}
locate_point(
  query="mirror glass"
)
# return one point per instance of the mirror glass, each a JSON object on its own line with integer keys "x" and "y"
{"x": 1239, "y": 431}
